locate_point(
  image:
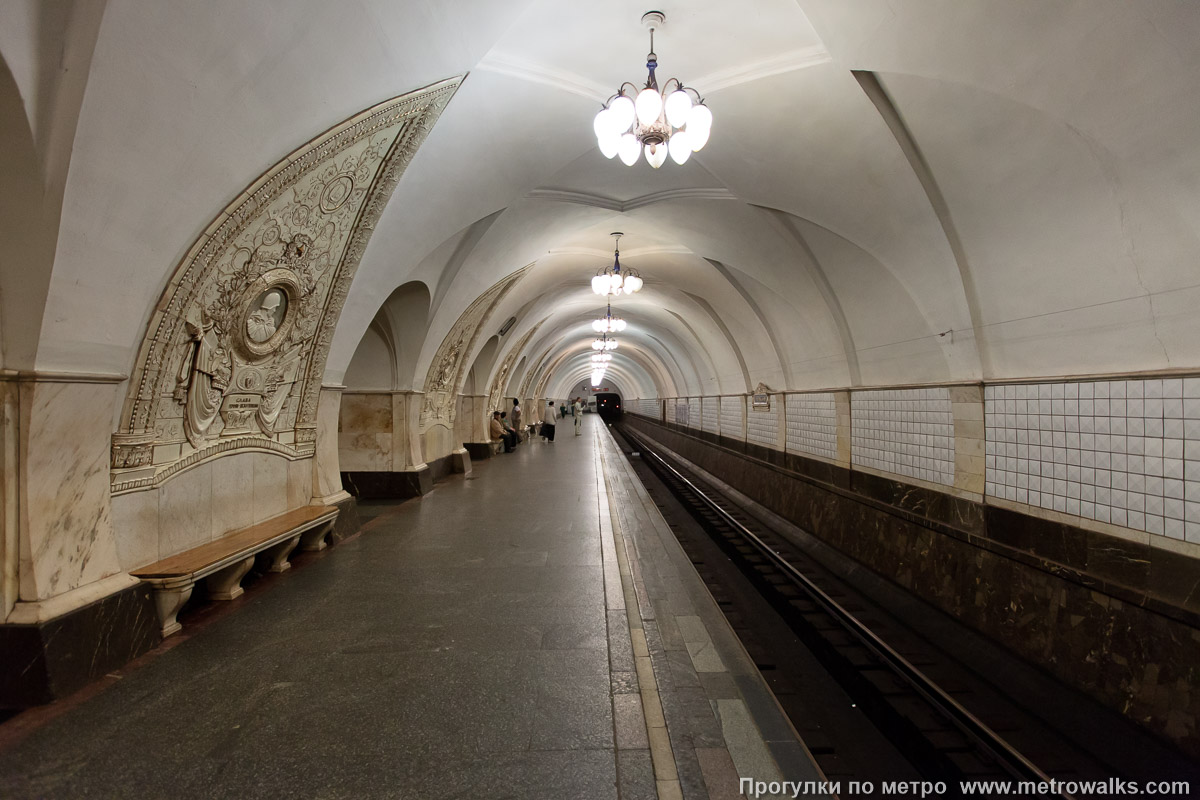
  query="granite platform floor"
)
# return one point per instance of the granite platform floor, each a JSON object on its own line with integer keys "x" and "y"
{"x": 529, "y": 631}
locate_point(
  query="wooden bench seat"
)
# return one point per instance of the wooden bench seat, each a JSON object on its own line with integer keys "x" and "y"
{"x": 225, "y": 561}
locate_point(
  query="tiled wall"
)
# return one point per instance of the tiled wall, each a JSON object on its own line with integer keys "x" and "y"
{"x": 711, "y": 414}
{"x": 762, "y": 426}
{"x": 670, "y": 410}
{"x": 731, "y": 416}
{"x": 812, "y": 425}
{"x": 904, "y": 431}
{"x": 694, "y": 412}
{"x": 1123, "y": 452}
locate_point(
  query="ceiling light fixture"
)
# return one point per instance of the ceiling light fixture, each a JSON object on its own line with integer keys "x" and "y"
{"x": 608, "y": 323}
{"x": 613, "y": 280}
{"x": 633, "y": 122}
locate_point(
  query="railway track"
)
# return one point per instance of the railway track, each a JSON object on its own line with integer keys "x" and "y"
{"x": 938, "y": 717}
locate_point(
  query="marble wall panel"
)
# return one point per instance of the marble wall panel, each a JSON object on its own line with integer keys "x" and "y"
{"x": 300, "y": 480}
{"x": 185, "y": 510}
{"x": 135, "y": 526}
{"x": 270, "y": 486}
{"x": 365, "y": 432}
{"x": 66, "y": 520}
{"x": 232, "y": 492}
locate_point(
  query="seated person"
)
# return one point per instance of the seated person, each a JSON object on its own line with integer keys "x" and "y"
{"x": 499, "y": 434}
{"x": 516, "y": 437}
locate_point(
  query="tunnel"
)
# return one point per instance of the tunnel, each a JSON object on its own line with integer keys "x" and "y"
{"x": 544, "y": 400}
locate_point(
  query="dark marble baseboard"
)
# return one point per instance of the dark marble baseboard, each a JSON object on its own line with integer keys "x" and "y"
{"x": 50, "y": 660}
{"x": 478, "y": 450}
{"x": 380, "y": 485}
{"x": 347, "y": 523}
{"x": 1116, "y": 619}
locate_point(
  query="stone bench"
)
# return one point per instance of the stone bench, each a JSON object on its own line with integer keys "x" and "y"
{"x": 495, "y": 447}
{"x": 225, "y": 561}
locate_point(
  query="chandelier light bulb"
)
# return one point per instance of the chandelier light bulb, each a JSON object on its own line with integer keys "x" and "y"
{"x": 598, "y": 344}
{"x": 615, "y": 280}
{"x": 680, "y": 147}
{"x": 622, "y": 114}
{"x": 649, "y": 105}
{"x": 678, "y": 104}
{"x": 598, "y": 326}
{"x": 610, "y": 143}
{"x": 632, "y": 284}
{"x": 618, "y": 325}
{"x": 610, "y": 344}
{"x": 602, "y": 124}
{"x": 600, "y": 284}
{"x": 656, "y": 154}
{"x": 629, "y": 149}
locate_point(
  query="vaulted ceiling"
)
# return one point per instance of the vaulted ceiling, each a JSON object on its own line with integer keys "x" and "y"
{"x": 892, "y": 193}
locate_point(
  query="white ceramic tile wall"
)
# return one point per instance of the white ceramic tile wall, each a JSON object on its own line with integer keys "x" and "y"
{"x": 670, "y": 404}
{"x": 647, "y": 407}
{"x": 731, "y": 416}
{"x": 904, "y": 431}
{"x": 711, "y": 414}
{"x": 1122, "y": 452}
{"x": 694, "y": 412}
{"x": 763, "y": 426}
{"x": 812, "y": 424}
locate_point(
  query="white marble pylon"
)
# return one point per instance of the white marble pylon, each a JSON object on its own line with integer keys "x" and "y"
{"x": 67, "y": 542}
{"x": 327, "y": 476}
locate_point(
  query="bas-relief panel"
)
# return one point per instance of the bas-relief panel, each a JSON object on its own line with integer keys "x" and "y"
{"x": 449, "y": 366}
{"x": 67, "y": 530}
{"x": 501, "y": 379}
{"x": 235, "y": 351}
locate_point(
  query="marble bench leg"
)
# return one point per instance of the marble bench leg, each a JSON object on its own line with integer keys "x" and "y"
{"x": 168, "y": 602}
{"x": 226, "y": 584}
{"x": 277, "y": 556}
{"x": 314, "y": 538}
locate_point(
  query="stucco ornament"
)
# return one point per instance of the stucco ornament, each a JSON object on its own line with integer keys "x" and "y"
{"x": 448, "y": 368}
{"x": 235, "y": 351}
{"x": 501, "y": 378}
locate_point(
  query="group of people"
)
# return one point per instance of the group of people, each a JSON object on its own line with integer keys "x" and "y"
{"x": 507, "y": 429}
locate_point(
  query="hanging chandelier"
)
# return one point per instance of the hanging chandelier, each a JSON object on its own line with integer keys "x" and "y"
{"x": 601, "y": 358}
{"x": 633, "y": 122}
{"x": 615, "y": 280}
{"x": 608, "y": 323}
{"x": 604, "y": 343}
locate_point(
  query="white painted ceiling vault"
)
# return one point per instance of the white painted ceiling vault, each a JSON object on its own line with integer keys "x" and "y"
{"x": 894, "y": 192}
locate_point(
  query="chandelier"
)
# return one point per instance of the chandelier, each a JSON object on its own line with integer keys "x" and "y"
{"x": 608, "y": 323}
{"x": 633, "y": 122}
{"x": 604, "y": 344}
{"x": 601, "y": 358}
{"x": 613, "y": 280}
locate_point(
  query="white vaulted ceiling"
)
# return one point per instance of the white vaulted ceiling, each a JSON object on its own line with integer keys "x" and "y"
{"x": 893, "y": 192}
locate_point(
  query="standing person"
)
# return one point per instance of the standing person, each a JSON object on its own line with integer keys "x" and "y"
{"x": 516, "y": 418}
{"x": 577, "y": 412}
{"x": 562, "y": 409}
{"x": 548, "y": 418}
